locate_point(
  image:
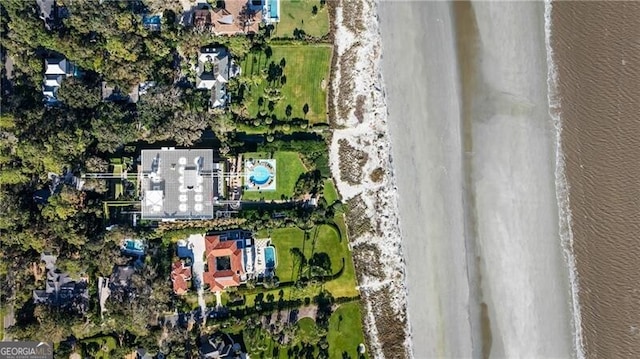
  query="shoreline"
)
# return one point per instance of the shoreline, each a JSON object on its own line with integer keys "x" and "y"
{"x": 363, "y": 169}
{"x": 562, "y": 187}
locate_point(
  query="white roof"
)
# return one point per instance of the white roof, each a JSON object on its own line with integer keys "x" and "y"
{"x": 221, "y": 79}
{"x": 55, "y": 66}
{"x": 153, "y": 199}
{"x": 48, "y": 93}
{"x": 206, "y": 84}
{"x": 53, "y": 80}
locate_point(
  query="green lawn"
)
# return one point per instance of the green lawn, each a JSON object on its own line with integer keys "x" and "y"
{"x": 117, "y": 171}
{"x": 345, "y": 331}
{"x": 289, "y": 167}
{"x": 327, "y": 240}
{"x": 284, "y": 239}
{"x": 330, "y": 192}
{"x": 344, "y": 335}
{"x": 100, "y": 347}
{"x": 297, "y": 14}
{"x": 345, "y": 285}
{"x": 306, "y": 70}
{"x": 307, "y": 330}
{"x": 320, "y": 239}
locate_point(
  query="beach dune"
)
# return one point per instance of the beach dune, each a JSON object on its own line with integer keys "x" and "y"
{"x": 474, "y": 159}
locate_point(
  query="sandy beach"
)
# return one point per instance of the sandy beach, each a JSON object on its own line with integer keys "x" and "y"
{"x": 423, "y": 99}
{"x": 474, "y": 159}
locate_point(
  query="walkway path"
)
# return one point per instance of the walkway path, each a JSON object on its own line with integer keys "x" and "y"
{"x": 197, "y": 246}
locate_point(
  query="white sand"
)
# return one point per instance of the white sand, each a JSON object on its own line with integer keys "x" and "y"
{"x": 524, "y": 278}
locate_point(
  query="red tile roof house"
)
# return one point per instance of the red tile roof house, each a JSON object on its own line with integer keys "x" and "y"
{"x": 224, "y": 263}
{"x": 180, "y": 276}
{"x": 235, "y": 17}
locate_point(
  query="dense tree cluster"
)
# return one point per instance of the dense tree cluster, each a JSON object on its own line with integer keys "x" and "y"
{"x": 42, "y": 210}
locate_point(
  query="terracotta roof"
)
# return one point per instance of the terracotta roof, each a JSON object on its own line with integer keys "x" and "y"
{"x": 236, "y": 17}
{"x": 179, "y": 276}
{"x": 220, "y": 279}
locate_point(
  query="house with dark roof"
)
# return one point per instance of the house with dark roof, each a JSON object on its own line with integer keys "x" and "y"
{"x": 223, "y": 263}
{"x": 51, "y": 13}
{"x": 219, "y": 345}
{"x": 142, "y": 353}
{"x": 180, "y": 277}
{"x": 215, "y": 68}
{"x": 116, "y": 94}
{"x": 61, "y": 290}
{"x": 120, "y": 282}
{"x": 56, "y": 69}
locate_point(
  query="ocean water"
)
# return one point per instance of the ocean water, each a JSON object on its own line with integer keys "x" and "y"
{"x": 594, "y": 57}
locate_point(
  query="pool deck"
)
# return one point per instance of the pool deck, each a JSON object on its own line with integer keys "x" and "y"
{"x": 267, "y": 11}
{"x": 248, "y": 172}
{"x": 260, "y": 245}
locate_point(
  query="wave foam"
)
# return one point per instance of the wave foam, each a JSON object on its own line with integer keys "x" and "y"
{"x": 562, "y": 186}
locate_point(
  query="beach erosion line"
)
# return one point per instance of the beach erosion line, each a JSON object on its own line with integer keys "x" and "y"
{"x": 562, "y": 186}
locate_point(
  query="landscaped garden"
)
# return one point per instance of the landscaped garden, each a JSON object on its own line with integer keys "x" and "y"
{"x": 288, "y": 82}
{"x": 100, "y": 347}
{"x": 345, "y": 331}
{"x": 292, "y": 242}
{"x": 310, "y": 16}
{"x": 289, "y": 167}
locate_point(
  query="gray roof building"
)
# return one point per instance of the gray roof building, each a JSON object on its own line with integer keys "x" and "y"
{"x": 214, "y": 70}
{"x": 177, "y": 184}
{"x": 55, "y": 70}
{"x": 219, "y": 345}
{"x": 60, "y": 289}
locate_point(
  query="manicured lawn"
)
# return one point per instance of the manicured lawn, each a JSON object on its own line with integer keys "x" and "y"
{"x": 297, "y": 14}
{"x": 344, "y": 335}
{"x": 330, "y": 192}
{"x": 289, "y": 167}
{"x": 307, "y": 330}
{"x": 305, "y": 75}
{"x": 345, "y": 285}
{"x": 345, "y": 331}
{"x": 284, "y": 239}
{"x": 100, "y": 347}
{"x": 327, "y": 240}
{"x": 322, "y": 239}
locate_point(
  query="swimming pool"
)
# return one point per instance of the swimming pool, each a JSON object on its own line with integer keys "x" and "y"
{"x": 260, "y": 175}
{"x": 133, "y": 246}
{"x": 270, "y": 257}
{"x": 273, "y": 9}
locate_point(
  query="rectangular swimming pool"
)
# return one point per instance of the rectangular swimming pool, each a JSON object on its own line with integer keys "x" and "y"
{"x": 273, "y": 9}
{"x": 270, "y": 257}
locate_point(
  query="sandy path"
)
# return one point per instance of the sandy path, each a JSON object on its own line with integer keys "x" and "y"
{"x": 474, "y": 165}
